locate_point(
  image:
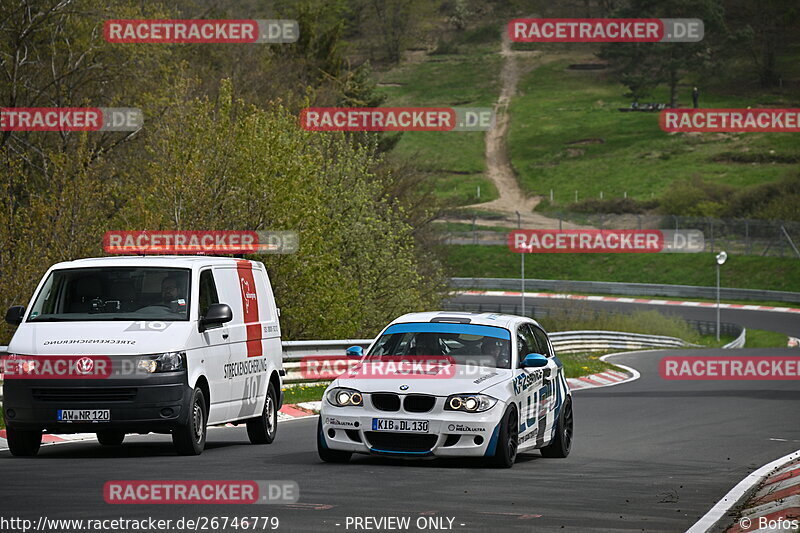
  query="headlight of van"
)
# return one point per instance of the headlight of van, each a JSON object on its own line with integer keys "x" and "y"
{"x": 342, "y": 397}
{"x": 163, "y": 362}
{"x": 469, "y": 403}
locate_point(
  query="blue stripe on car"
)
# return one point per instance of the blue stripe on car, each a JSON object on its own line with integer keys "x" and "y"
{"x": 441, "y": 327}
{"x": 493, "y": 441}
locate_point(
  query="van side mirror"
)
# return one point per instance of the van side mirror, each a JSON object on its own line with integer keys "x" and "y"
{"x": 355, "y": 351}
{"x": 14, "y": 314}
{"x": 534, "y": 360}
{"x": 216, "y": 315}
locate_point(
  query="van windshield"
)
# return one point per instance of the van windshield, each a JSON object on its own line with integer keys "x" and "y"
{"x": 113, "y": 293}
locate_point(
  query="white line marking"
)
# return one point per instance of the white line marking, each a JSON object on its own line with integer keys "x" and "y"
{"x": 735, "y": 494}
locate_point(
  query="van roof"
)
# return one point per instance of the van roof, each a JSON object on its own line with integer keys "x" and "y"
{"x": 180, "y": 261}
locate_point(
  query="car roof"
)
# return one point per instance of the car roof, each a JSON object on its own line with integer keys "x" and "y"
{"x": 175, "y": 261}
{"x": 482, "y": 319}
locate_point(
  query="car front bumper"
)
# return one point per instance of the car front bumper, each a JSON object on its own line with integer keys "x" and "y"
{"x": 450, "y": 433}
{"x": 157, "y": 403}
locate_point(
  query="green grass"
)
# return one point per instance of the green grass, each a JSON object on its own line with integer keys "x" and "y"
{"x": 745, "y": 272}
{"x": 759, "y": 338}
{"x": 556, "y": 107}
{"x": 454, "y": 161}
{"x": 584, "y": 364}
{"x": 303, "y": 393}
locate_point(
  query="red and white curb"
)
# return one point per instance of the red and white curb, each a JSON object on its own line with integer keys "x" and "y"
{"x": 582, "y": 297}
{"x": 603, "y": 379}
{"x": 287, "y": 412}
{"x": 775, "y": 506}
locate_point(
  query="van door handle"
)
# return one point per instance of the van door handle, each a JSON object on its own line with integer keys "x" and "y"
{"x": 224, "y": 335}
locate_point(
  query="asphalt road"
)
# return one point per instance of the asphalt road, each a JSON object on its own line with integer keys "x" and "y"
{"x": 787, "y": 323}
{"x": 650, "y": 455}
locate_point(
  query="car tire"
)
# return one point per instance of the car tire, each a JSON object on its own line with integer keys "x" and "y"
{"x": 262, "y": 429}
{"x": 23, "y": 443}
{"x": 325, "y": 453}
{"x": 110, "y": 437}
{"x": 190, "y": 438}
{"x": 562, "y": 443}
{"x": 508, "y": 442}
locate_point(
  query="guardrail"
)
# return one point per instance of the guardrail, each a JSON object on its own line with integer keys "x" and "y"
{"x": 625, "y": 289}
{"x": 563, "y": 342}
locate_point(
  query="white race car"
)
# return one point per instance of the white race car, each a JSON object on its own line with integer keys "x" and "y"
{"x": 449, "y": 384}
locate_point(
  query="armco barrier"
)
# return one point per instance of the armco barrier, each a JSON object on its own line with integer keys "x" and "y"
{"x": 563, "y": 342}
{"x": 624, "y": 289}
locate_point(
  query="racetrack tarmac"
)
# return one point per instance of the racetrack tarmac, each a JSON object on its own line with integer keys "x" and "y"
{"x": 649, "y": 455}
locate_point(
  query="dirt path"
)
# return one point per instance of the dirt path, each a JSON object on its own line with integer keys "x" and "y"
{"x": 498, "y": 167}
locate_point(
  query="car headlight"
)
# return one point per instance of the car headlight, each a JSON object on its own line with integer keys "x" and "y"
{"x": 163, "y": 362}
{"x": 469, "y": 403}
{"x": 342, "y": 397}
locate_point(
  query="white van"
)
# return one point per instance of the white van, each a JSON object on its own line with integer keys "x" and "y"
{"x": 186, "y": 342}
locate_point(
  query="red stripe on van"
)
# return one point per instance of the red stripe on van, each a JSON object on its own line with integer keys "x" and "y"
{"x": 247, "y": 286}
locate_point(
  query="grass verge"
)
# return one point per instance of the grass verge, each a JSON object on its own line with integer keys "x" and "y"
{"x": 759, "y": 338}
{"x": 746, "y": 272}
{"x": 303, "y": 393}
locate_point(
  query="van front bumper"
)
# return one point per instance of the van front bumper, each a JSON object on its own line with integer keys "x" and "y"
{"x": 156, "y": 403}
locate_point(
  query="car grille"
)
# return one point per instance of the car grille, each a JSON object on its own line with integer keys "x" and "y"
{"x": 384, "y": 401}
{"x": 89, "y": 394}
{"x": 419, "y": 403}
{"x": 400, "y": 442}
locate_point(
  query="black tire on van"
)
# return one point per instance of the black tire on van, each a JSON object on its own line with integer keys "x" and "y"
{"x": 23, "y": 443}
{"x": 190, "y": 439}
{"x": 262, "y": 429}
{"x": 110, "y": 437}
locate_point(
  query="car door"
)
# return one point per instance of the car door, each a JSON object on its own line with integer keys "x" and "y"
{"x": 550, "y": 392}
{"x": 214, "y": 351}
{"x": 527, "y": 384}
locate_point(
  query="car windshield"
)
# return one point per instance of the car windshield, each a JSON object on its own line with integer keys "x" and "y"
{"x": 113, "y": 293}
{"x": 474, "y": 344}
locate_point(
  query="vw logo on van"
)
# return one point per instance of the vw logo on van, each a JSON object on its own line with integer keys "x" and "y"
{"x": 84, "y": 365}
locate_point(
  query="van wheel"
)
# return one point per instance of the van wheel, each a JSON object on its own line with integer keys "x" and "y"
{"x": 262, "y": 430}
{"x": 506, "y": 452}
{"x": 325, "y": 453}
{"x": 190, "y": 439}
{"x": 562, "y": 442}
{"x": 110, "y": 437}
{"x": 23, "y": 443}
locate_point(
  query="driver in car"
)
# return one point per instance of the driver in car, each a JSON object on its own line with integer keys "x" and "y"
{"x": 427, "y": 344}
{"x": 494, "y": 348}
{"x": 171, "y": 294}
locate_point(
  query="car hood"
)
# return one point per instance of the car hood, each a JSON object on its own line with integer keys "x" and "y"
{"x": 101, "y": 338}
{"x": 440, "y": 381}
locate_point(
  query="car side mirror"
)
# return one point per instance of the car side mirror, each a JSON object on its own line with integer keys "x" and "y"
{"x": 216, "y": 315}
{"x": 14, "y": 314}
{"x": 355, "y": 351}
{"x": 534, "y": 360}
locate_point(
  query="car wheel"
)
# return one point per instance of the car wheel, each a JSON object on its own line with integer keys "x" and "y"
{"x": 262, "y": 429}
{"x": 562, "y": 443}
{"x": 190, "y": 439}
{"x": 23, "y": 443}
{"x": 325, "y": 453}
{"x": 506, "y": 452}
{"x": 110, "y": 437}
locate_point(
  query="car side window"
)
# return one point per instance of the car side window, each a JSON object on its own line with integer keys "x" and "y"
{"x": 208, "y": 291}
{"x": 525, "y": 342}
{"x": 541, "y": 340}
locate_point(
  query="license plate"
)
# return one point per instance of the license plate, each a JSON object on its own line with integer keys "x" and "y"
{"x": 410, "y": 426}
{"x": 84, "y": 415}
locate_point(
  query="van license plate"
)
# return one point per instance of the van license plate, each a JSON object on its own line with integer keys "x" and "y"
{"x": 84, "y": 415}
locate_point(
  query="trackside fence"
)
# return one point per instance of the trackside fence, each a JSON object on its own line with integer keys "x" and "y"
{"x": 563, "y": 342}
